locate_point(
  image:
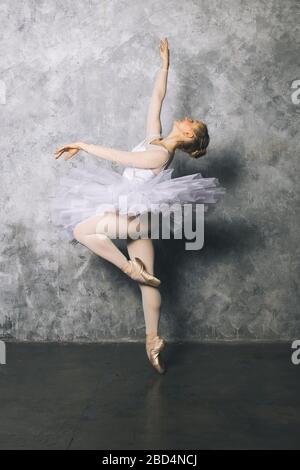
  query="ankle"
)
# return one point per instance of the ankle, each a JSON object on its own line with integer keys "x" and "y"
{"x": 151, "y": 335}
{"x": 126, "y": 268}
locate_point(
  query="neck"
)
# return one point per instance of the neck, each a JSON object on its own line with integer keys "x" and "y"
{"x": 171, "y": 142}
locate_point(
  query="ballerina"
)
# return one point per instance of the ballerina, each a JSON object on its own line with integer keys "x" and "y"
{"x": 82, "y": 201}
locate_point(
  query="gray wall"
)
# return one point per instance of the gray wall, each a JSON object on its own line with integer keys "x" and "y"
{"x": 84, "y": 71}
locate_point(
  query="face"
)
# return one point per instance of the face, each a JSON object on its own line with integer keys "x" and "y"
{"x": 187, "y": 126}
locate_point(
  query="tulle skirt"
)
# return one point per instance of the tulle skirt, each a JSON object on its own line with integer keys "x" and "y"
{"x": 83, "y": 193}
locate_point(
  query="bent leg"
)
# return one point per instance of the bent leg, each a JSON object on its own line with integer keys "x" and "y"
{"x": 151, "y": 298}
{"x": 95, "y": 234}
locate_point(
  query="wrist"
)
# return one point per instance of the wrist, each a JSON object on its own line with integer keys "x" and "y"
{"x": 83, "y": 146}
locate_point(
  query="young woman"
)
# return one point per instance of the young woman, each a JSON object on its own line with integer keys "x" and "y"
{"x": 80, "y": 204}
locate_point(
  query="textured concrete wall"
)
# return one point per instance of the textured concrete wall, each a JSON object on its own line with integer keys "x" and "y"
{"x": 84, "y": 71}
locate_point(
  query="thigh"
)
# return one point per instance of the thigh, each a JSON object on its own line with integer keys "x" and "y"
{"x": 101, "y": 223}
{"x": 113, "y": 225}
{"x": 87, "y": 226}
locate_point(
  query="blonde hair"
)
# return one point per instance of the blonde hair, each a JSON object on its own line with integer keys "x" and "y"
{"x": 198, "y": 146}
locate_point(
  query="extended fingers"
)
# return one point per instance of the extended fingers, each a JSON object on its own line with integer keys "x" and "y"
{"x": 58, "y": 153}
{"x": 71, "y": 148}
{"x": 60, "y": 150}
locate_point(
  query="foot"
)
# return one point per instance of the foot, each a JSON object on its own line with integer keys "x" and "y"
{"x": 154, "y": 344}
{"x": 136, "y": 270}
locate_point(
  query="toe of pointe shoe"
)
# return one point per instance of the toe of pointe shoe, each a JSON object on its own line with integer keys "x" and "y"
{"x": 152, "y": 281}
{"x": 158, "y": 364}
{"x": 160, "y": 369}
{"x": 145, "y": 277}
{"x": 153, "y": 347}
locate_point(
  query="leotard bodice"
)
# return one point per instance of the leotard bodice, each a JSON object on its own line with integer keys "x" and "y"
{"x": 142, "y": 174}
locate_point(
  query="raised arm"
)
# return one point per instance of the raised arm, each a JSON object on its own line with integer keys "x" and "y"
{"x": 146, "y": 159}
{"x": 159, "y": 92}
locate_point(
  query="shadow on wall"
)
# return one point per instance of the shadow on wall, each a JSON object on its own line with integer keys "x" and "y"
{"x": 227, "y": 165}
{"x": 225, "y": 238}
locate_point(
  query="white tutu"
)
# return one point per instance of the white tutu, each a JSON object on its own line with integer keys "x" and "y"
{"x": 82, "y": 193}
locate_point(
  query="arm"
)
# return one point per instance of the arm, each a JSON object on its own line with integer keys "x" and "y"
{"x": 159, "y": 92}
{"x": 146, "y": 159}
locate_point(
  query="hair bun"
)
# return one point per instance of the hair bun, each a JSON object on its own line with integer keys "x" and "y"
{"x": 198, "y": 153}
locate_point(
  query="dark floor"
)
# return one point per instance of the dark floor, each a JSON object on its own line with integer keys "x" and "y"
{"x": 107, "y": 396}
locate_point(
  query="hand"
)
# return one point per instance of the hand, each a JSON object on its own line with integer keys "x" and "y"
{"x": 164, "y": 52}
{"x": 70, "y": 149}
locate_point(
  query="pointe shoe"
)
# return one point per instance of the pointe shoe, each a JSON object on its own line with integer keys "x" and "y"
{"x": 153, "y": 347}
{"x": 137, "y": 271}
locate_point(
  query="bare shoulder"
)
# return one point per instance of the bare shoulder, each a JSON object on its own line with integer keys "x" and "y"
{"x": 155, "y": 144}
